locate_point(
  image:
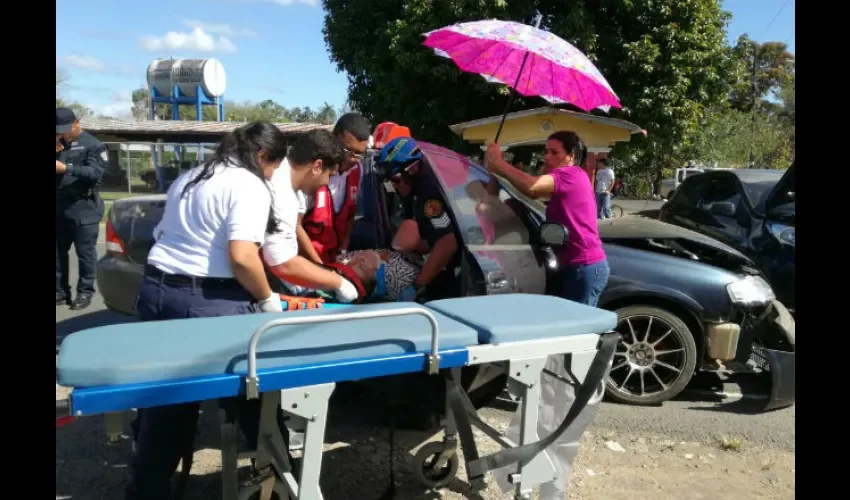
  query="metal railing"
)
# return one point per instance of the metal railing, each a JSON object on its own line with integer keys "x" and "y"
{"x": 132, "y": 166}
{"x": 253, "y": 382}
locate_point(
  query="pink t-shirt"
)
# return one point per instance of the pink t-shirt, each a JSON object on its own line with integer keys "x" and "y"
{"x": 573, "y": 204}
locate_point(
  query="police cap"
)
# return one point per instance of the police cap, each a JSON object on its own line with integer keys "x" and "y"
{"x": 65, "y": 119}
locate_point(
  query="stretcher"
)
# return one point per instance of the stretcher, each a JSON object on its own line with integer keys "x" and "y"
{"x": 294, "y": 360}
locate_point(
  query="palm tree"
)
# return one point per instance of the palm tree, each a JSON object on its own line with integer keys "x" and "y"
{"x": 326, "y": 114}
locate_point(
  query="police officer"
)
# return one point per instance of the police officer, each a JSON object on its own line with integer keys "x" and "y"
{"x": 80, "y": 162}
{"x": 423, "y": 201}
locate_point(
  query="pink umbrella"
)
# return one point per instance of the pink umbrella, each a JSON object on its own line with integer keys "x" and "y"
{"x": 534, "y": 61}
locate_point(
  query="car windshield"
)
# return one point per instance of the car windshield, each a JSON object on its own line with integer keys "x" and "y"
{"x": 758, "y": 186}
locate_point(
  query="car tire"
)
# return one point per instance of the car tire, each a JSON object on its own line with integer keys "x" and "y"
{"x": 674, "y": 346}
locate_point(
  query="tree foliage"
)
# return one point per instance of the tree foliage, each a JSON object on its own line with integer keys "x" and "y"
{"x": 666, "y": 59}
{"x": 732, "y": 138}
{"x": 761, "y": 70}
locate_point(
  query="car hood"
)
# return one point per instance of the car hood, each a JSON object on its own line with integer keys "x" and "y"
{"x": 655, "y": 235}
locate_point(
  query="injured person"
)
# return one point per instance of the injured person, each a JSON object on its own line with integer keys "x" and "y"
{"x": 378, "y": 275}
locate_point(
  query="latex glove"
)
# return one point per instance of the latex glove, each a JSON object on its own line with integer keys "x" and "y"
{"x": 346, "y": 292}
{"x": 270, "y": 304}
{"x": 408, "y": 294}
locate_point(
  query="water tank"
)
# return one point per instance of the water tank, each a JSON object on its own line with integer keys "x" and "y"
{"x": 187, "y": 74}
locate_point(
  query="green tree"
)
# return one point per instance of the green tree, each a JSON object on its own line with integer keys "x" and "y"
{"x": 732, "y": 138}
{"x": 667, "y": 60}
{"x": 760, "y": 72}
{"x": 326, "y": 115}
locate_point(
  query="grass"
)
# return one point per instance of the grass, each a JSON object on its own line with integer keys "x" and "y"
{"x": 732, "y": 443}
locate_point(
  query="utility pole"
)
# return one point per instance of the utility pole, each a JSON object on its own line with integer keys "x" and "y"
{"x": 753, "y": 110}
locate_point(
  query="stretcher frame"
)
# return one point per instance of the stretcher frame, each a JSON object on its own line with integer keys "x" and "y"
{"x": 304, "y": 392}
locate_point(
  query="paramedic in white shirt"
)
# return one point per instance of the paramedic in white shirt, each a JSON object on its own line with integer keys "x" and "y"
{"x": 206, "y": 262}
{"x": 604, "y": 184}
{"x": 309, "y": 165}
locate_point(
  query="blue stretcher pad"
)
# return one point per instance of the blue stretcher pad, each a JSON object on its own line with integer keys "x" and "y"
{"x": 137, "y": 365}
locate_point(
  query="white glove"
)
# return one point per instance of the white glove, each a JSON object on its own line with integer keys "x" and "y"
{"x": 270, "y": 304}
{"x": 346, "y": 292}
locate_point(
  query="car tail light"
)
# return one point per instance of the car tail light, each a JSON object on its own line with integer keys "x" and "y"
{"x": 113, "y": 242}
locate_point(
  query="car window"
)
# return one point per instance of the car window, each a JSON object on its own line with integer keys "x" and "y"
{"x": 689, "y": 193}
{"x": 722, "y": 189}
{"x": 482, "y": 219}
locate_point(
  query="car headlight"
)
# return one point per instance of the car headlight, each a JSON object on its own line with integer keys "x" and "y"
{"x": 782, "y": 232}
{"x": 751, "y": 290}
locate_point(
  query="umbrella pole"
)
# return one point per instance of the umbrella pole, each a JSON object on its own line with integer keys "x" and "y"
{"x": 511, "y": 98}
{"x": 537, "y": 21}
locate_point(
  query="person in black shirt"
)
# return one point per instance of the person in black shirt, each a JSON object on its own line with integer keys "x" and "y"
{"x": 424, "y": 203}
{"x": 80, "y": 162}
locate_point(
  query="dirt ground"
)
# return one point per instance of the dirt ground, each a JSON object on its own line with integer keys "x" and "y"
{"x": 610, "y": 465}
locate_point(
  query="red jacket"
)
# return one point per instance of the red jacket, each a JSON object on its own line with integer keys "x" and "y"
{"x": 325, "y": 228}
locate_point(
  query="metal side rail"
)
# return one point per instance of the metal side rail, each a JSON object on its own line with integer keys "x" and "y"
{"x": 252, "y": 381}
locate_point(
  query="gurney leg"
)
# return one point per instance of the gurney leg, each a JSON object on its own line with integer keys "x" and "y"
{"x": 524, "y": 379}
{"x": 114, "y": 427}
{"x": 311, "y": 404}
{"x": 229, "y": 451}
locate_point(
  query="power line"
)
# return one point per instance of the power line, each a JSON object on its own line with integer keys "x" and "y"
{"x": 774, "y": 17}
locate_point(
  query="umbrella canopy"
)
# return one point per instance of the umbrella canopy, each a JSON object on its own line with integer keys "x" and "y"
{"x": 532, "y": 61}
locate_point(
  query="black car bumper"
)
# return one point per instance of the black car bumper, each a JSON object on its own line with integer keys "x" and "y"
{"x": 775, "y": 348}
{"x": 118, "y": 282}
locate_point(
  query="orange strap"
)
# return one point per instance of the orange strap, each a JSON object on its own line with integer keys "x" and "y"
{"x": 293, "y": 303}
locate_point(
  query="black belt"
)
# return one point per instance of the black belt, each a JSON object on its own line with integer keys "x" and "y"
{"x": 192, "y": 281}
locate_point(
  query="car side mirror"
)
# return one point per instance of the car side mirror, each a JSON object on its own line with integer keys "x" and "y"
{"x": 553, "y": 234}
{"x": 722, "y": 208}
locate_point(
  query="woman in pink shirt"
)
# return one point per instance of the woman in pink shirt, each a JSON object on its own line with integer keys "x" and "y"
{"x": 572, "y": 203}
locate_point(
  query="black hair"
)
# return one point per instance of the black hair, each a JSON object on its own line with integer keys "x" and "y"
{"x": 572, "y": 144}
{"x": 354, "y": 124}
{"x": 603, "y": 161}
{"x": 317, "y": 145}
{"x": 239, "y": 149}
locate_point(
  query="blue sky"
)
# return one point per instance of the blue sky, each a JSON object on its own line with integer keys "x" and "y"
{"x": 106, "y": 45}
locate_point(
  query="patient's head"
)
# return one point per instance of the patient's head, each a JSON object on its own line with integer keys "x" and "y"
{"x": 364, "y": 263}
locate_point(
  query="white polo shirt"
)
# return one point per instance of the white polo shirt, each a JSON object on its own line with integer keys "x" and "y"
{"x": 192, "y": 237}
{"x": 287, "y": 204}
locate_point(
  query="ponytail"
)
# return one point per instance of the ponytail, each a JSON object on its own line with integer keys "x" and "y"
{"x": 239, "y": 149}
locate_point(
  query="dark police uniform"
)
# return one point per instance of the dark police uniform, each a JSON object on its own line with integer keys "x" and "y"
{"x": 427, "y": 207}
{"x": 79, "y": 210}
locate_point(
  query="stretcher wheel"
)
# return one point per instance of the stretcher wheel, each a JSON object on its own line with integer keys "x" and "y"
{"x": 424, "y": 466}
{"x": 252, "y": 492}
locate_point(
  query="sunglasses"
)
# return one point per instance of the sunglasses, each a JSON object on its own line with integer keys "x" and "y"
{"x": 397, "y": 177}
{"x": 354, "y": 155}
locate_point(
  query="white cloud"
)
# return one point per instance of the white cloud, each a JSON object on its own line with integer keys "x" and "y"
{"x": 220, "y": 29}
{"x": 122, "y": 96}
{"x": 86, "y": 63}
{"x": 115, "y": 109}
{"x": 198, "y": 40}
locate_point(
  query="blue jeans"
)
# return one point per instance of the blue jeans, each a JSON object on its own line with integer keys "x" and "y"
{"x": 603, "y": 205}
{"x": 585, "y": 283}
{"x": 163, "y": 434}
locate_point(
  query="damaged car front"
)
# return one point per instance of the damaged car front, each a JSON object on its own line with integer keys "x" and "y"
{"x": 726, "y": 303}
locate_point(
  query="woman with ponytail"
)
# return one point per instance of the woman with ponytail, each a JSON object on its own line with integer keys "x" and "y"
{"x": 572, "y": 202}
{"x": 206, "y": 262}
